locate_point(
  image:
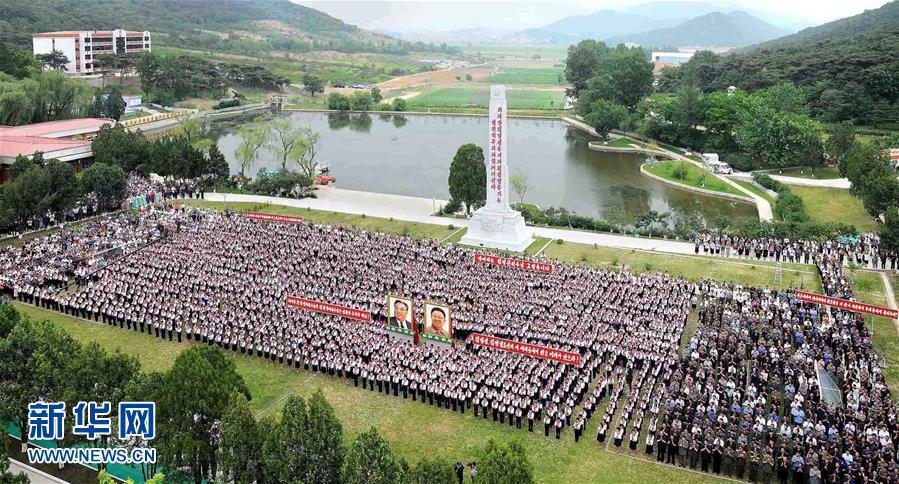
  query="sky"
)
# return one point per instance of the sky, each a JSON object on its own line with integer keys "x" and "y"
{"x": 442, "y": 15}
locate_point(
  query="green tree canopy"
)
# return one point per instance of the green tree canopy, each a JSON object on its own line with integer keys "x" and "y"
{"x": 582, "y": 62}
{"x": 240, "y": 454}
{"x": 468, "y": 177}
{"x": 313, "y": 84}
{"x": 505, "y": 464}
{"x": 370, "y": 461}
{"x": 431, "y": 471}
{"x": 605, "y": 116}
{"x": 107, "y": 181}
{"x": 624, "y": 76}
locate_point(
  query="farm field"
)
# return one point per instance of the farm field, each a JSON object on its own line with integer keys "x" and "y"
{"x": 480, "y": 97}
{"x": 518, "y": 75}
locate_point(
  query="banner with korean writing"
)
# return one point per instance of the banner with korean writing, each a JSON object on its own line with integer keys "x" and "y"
{"x": 332, "y": 309}
{"x": 269, "y": 217}
{"x": 537, "y": 351}
{"x": 847, "y": 305}
{"x": 513, "y": 263}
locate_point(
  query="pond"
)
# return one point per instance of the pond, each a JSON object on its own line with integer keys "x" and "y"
{"x": 411, "y": 154}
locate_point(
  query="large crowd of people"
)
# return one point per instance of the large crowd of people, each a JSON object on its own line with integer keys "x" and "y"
{"x": 744, "y": 396}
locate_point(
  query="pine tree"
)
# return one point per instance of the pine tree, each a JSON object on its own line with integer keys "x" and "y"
{"x": 370, "y": 461}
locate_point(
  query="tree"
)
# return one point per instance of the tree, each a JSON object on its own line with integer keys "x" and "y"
{"x": 294, "y": 144}
{"x": 7, "y": 477}
{"x": 468, "y": 177}
{"x": 313, "y": 84}
{"x": 35, "y": 362}
{"x": 325, "y": 450}
{"x": 216, "y": 165}
{"x": 271, "y": 451}
{"x": 779, "y": 139}
{"x": 624, "y": 77}
{"x": 9, "y": 318}
{"x": 398, "y": 104}
{"x": 840, "y": 141}
{"x": 195, "y": 131}
{"x": 55, "y": 60}
{"x": 18, "y": 63}
{"x": 880, "y": 193}
{"x": 338, "y": 102}
{"x": 582, "y": 62}
{"x": 240, "y": 456}
{"x": 722, "y": 114}
{"x": 505, "y": 464}
{"x": 376, "y": 94}
{"x": 431, "y": 471}
{"x": 889, "y": 231}
{"x": 370, "y": 461}
{"x": 252, "y": 137}
{"x": 520, "y": 185}
{"x": 864, "y": 162}
{"x": 294, "y": 446}
{"x": 190, "y": 406}
{"x": 361, "y": 101}
{"x": 114, "y": 145}
{"x": 651, "y": 220}
{"x": 605, "y": 116}
{"x": 107, "y": 181}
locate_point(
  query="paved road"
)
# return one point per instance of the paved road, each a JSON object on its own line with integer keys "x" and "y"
{"x": 414, "y": 209}
{"x": 806, "y": 182}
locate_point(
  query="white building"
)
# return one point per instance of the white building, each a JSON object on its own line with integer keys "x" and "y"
{"x": 81, "y": 48}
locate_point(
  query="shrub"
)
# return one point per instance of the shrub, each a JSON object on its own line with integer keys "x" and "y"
{"x": 680, "y": 171}
{"x": 227, "y": 103}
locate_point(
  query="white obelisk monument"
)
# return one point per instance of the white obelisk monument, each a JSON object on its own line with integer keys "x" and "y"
{"x": 496, "y": 225}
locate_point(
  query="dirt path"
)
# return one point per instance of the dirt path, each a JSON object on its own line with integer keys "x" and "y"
{"x": 891, "y": 296}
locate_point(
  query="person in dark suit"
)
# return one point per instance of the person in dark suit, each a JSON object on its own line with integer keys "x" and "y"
{"x": 400, "y": 318}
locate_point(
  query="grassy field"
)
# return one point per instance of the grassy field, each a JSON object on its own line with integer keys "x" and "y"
{"x": 754, "y": 189}
{"x": 869, "y": 288}
{"x": 695, "y": 177}
{"x": 480, "y": 97}
{"x": 518, "y": 51}
{"x": 412, "y": 428}
{"x": 412, "y": 229}
{"x": 519, "y": 75}
{"x": 834, "y": 205}
{"x": 756, "y": 273}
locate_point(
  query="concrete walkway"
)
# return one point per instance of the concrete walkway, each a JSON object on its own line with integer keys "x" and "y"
{"x": 805, "y": 182}
{"x": 35, "y": 476}
{"x": 414, "y": 209}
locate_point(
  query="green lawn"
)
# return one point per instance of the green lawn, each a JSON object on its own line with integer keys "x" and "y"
{"x": 412, "y": 229}
{"x": 834, "y": 205}
{"x": 521, "y": 75}
{"x": 412, "y": 428}
{"x": 695, "y": 176}
{"x": 480, "y": 97}
{"x": 755, "y": 273}
{"x": 819, "y": 173}
{"x": 754, "y": 189}
{"x": 868, "y": 288}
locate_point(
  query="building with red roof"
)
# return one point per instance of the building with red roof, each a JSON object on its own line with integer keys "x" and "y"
{"x": 66, "y": 140}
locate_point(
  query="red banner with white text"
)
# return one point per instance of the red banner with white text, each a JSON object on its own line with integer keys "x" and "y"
{"x": 847, "y": 305}
{"x": 513, "y": 263}
{"x": 269, "y": 217}
{"x": 544, "y": 352}
{"x": 332, "y": 309}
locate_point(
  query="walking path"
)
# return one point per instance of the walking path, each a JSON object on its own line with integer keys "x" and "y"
{"x": 891, "y": 296}
{"x": 806, "y": 182}
{"x": 35, "y": 476}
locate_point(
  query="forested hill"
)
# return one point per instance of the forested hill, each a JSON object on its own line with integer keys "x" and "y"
{"x": 250, "y": 27}
{"x": 848, "y": 69}
{"x": 732, "y": 29}
{"x": 868, "y": 21}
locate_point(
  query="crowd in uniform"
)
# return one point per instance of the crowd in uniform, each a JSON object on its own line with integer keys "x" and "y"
{"x": 223, "y": 279}
{"x": 742, "y": 399}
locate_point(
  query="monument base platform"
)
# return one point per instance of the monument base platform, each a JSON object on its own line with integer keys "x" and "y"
{"x": 498, "y": 229}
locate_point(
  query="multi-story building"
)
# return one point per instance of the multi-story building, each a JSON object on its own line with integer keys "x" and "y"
{"x": 81, "y": 48}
